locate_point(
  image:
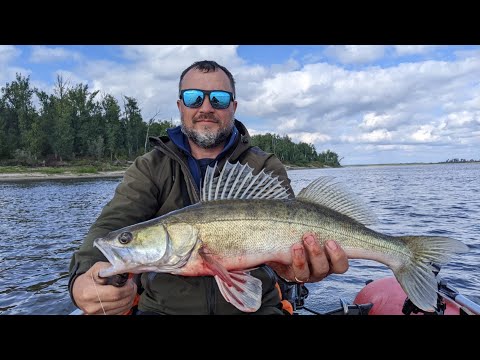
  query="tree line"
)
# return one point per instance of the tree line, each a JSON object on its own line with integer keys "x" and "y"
{"x": 456, "y": 160}
{"x": 75, "y": 123}
{"x": 292, "y": 153}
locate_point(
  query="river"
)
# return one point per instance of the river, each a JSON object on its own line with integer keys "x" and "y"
{"x": 43, "y": 222}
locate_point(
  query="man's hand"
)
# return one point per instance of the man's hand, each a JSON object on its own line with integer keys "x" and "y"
{"x": 312, "y": 262}
{"x": 93, "y": 296}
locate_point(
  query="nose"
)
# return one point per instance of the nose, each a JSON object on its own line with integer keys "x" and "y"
{"x": 206, "y": 106}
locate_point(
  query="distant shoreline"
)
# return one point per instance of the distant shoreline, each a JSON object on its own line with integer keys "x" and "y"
{"x": 411, "y": 164}
{"x": 34, "y": 176}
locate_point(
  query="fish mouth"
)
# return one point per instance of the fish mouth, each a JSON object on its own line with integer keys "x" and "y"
{"x": 117, "y": 265}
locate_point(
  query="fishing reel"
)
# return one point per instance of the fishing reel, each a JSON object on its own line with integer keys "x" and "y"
{"x": 445, "y": 292}
{"x": 409, "y": 307}
{"x": 297, "y": 293}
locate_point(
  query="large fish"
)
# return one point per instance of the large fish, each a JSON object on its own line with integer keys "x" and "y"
{"x": 245, "y": 220}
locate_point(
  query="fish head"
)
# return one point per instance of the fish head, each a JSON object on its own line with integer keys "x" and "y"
{"x": 136, "y": 248}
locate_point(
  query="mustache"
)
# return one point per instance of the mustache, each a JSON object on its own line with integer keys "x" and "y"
{"x": 205, "y": 117}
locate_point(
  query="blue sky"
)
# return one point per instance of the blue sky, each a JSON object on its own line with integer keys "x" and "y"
{"x": 370, "y": 104}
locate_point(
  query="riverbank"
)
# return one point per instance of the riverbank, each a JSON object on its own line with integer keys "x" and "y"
{"x": 20, "y": 173}
{"x": 32, "y": 176}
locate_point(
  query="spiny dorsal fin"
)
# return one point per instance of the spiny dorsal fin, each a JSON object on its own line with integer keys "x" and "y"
{"x": 328, "y": 192}
{"x": 236, "y": 181}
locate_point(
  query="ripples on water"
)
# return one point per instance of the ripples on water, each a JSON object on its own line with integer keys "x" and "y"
{"x": 43, "y": 222}
{"x": 407, "y": 200}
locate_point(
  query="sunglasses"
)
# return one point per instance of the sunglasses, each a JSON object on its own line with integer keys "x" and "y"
{"x": 219, "y": 99}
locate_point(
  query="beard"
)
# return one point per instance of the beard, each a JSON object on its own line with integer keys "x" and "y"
{"x": 207, "y": 138}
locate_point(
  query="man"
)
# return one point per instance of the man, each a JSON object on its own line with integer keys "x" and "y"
{"x": 168, "y": 178}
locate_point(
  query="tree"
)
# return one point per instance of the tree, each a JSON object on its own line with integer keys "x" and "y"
{"x": 86, "y": 120}
{"x": 150, "y": 122}
{"x": 134, "y": 126}
{"x": 63, "y": 134}
{"x": 113, "y": 128}
{"x": 18, "y": 115}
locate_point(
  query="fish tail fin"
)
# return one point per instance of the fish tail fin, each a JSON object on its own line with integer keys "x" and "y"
{"x": 416, "y": 276}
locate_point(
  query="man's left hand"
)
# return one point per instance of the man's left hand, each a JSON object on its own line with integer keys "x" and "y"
{"x": 312, "y": 262}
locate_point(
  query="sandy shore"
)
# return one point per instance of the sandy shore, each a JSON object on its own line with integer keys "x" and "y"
{"x": 67, "y": 175}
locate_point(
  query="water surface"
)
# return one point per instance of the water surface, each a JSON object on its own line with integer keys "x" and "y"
{"x": 44, "y": 222}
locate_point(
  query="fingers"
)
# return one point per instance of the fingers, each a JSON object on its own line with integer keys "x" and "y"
{"x": 301, "y": 271}
{"x": 324, "y": 260}
{"x": 114, "y": 304}
{"x": 338, "y": 257}
{"x": 319, "y": 262}
{"x": 95, "y": 269}
{"x": 112, "y": 300}
{"x": 94, "y": 296}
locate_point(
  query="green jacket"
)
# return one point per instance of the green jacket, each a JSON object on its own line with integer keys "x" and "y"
{"x": 155, "y": 184}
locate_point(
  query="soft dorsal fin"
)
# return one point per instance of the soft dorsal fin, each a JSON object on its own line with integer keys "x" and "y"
{"x": 236, "y": 181}
{"x": 328, "y": 192}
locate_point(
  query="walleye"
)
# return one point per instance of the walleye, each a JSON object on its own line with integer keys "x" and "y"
{"x": 245, "y": 220}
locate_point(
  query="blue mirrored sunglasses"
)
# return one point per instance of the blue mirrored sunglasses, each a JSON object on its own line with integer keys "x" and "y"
{"x": 219, "y": 99}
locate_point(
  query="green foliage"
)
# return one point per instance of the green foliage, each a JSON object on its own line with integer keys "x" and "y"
{"x": 85, "y": 170}
{"x": 52, "y": 171}
{"x": 160, "y": 128}
{"x": 301, "y": 154}
{"x": 72, "y": 122}
{"x": 76, "y": 123}
{"x": 23, "y": 157}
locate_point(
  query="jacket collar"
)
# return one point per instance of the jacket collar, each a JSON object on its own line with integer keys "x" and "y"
{"x": 180, "y": 140}
{"x": 239, "y": 144}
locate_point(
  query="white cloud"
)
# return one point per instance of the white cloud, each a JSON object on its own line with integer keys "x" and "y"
{"x": 378, "y": 135}
{"x": 373, "y": 121}
{"x": 375, "y": 136}
{"x": 171, "y": 60}
{"x": 8, "y": 72}
{"x": 400, "y": 104}
{"x": 355, "y": 54}
{"x": 402, "y": 50}
{"x": 425, "y": 134}
{"x": 310, "y": 138}
{"x": 430, "y": 103}
{"x": 462, "y": 118}
{"x": 44, "y": 54}
{"x": 152, "y": 73}
{"x": 8, "y": 53}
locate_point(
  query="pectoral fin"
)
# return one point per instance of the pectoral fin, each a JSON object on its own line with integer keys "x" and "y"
{"x": 239, "y": 288}
{"x": 245, "y": 293}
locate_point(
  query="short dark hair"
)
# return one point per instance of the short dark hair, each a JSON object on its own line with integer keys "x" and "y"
{"x": 207, "y": 66}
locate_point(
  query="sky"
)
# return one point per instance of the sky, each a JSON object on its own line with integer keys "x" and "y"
{"x": 371, "y": 104}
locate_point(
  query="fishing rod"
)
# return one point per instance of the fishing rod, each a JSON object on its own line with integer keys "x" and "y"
{"x": 116, "y": 280}
{"x": 452, "y": 294}
{"x": 445, "y": 293}
{"x": 448, "y": 293}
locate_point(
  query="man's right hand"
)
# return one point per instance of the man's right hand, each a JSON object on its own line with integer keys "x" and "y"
{"x": 91, "y": 292}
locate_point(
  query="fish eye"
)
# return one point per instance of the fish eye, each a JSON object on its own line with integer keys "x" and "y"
{"x": 125, "y": 237}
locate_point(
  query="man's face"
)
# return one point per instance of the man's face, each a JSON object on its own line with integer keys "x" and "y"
{"x": 206, "y": 126}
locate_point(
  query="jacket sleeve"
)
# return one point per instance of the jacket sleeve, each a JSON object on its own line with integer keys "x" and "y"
{"x": 135, "y": 200}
